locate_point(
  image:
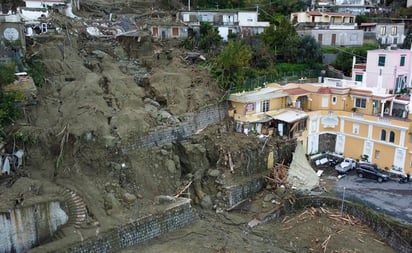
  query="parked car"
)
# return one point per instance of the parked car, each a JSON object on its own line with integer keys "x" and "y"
{"x": 346, "y": 165}
{"x": 368, "y": 170}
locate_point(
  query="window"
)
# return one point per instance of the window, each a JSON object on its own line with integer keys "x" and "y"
{"x": 358, "y": 77}
{"x": 383, "y": 30}
{"x": 392, "y": 137}
{"x": 325, "y": 101}
{"x": 334, "y": 99}
{"x": 383, "y": 135}
{"x": 360, "y": 103}
{"x": 394, "y": 30}
{"x": 355, "y": 128}
{"x": 410, "y": 138}
{"x": 377, "y": 154}
{"x": 381, "y": 60}
{"x": 402, "y": 63}
{"x": 265, "y": 105}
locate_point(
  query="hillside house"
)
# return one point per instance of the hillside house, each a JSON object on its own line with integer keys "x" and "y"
{"x": 387, "y": 70}
{"x": 268, "y": 111}
{"x": 244, "y": 23}
{"x": 337, "y": 116}
{"x": 43, "y": 3}
{"x": 329, "y": 28}
{"x": 385, "y": 33}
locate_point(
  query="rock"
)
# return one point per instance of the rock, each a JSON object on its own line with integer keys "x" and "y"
{"x": 164, "y": 199}
{"x": 168, "y": 146}
{"x": 214, "y": 173}
{"x": 140, "y": 196}
{"x": 99, "y": 54}
{"x": 268, "y": 197}
{"x": 206, "y": 202}
{"x": 110, "y": 141}
{"x": 164, "y": 152}
{"x": 170, "y": 165}
{"x": 129, "y": 198}
{"x": 166, "y": 116}
{"x": 219, "y": 195}
{"x": 151, "y": 102}
{"x": 152, "y": 110}
{"x": 111, "y": 203}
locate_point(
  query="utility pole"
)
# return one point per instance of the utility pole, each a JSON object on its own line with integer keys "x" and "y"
{"x": 188, "y": 5}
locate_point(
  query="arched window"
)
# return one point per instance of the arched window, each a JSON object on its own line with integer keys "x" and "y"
{"x": 392, "y": 136}
{"x": 383, "y": 135}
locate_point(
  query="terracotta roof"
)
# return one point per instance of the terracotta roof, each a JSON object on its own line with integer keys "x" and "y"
{"x": 314, "y": 13}
{"x": 324, "y": 90}
{"x": 296, "y": 91}
{"x": 378, "y": 97}
{"x": 360, "y": 66}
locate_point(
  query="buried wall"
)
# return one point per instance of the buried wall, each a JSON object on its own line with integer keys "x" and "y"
{"x": 175, "y": 216}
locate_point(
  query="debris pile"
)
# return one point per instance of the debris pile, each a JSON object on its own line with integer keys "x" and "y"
{"x": 278, "y": 177}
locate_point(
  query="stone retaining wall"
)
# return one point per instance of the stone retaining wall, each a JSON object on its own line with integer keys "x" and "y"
{"x": 174, "y": 217}
{"x": 237, "y": 193}
{"x": 193, "y": 123}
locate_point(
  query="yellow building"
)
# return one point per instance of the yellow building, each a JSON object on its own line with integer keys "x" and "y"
{"x": 336, "y": 116}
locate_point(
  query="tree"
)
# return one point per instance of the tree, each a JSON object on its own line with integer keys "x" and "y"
{"x": 408, "y": 39}
{"x": 309, "y": 51}
{"x": 272, "y": 8}
{"x": 209, "y": 36}
{"x": 231, "y": 64}
{"x": 282, "y": 38}
{"x": 8, "y": 108}
{"x": 7, "y": 74}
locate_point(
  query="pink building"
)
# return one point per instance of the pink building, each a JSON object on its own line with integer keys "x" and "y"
{"x": 386, "y": 70}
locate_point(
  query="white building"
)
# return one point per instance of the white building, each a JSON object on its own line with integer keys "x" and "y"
{"x": 227, "y": 22}
{"x": 43, "y": 3}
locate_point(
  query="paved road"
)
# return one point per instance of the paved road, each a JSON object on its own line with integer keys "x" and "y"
{"x": 391, "y": 198}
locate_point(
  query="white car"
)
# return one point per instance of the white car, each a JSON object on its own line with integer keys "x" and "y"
{"x": 346, "y": 165}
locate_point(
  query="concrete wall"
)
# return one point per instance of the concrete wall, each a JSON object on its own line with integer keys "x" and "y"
{"x": 175, "y": 216}
{"x": 23, "y": 228}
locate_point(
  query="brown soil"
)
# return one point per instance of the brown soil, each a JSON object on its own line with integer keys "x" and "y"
{"x": 302, "y": 232}
{"x": 92, "y": 101}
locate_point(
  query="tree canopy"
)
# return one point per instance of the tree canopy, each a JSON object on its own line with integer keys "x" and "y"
{"x": 7, "y": 74}
{"x": 8, "y": 109}
{"x": 231, "y": 64}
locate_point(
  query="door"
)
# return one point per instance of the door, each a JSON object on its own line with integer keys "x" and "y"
{"x": 333, "y": 39}
{"x": 320, "y": 38}
{"x": 155, "y": 31}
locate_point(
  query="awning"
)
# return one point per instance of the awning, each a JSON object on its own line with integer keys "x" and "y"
{"x": 263, "y": 120}
{"x": 289, "y": 116}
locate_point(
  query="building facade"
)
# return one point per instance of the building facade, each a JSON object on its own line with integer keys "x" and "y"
{"x": 385, "y": 33}
{"x": 334, "y": 116}
{"x": 387, "y": 70}
{"x": 244, "y": 23}
{"x": 329, "y": 28}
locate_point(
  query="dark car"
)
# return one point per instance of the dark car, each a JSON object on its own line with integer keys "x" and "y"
{"x": 368, "y": 170}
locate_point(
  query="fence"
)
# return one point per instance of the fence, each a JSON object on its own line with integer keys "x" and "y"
{"x": 283, "y": 77}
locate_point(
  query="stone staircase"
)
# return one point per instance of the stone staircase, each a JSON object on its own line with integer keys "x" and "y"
{"x": 75, "y": 206}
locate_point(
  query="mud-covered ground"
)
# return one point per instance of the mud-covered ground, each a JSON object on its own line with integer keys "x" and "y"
{"x": 96, "y": 96}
